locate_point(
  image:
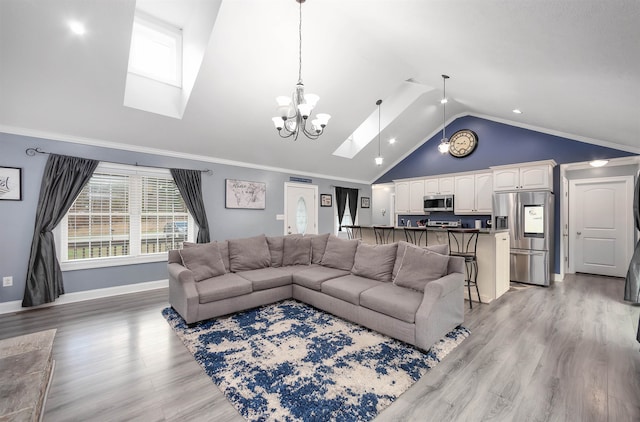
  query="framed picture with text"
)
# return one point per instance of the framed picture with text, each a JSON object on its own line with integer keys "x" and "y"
{"x": 326, "y": 200}
{"x": 10, "y": 184}
{"x": 244, "y": 194}
{"x": 365, "y": 202}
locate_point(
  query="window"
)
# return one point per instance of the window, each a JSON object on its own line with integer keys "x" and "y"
{"x": 346, "y": 218}
{"x": 124, "y": 215}
{"x": 156, "y": 50}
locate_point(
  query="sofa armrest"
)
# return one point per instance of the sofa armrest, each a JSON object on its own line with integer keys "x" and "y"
{"x": 183, "y": 295}
{"x": 441, "y": 310}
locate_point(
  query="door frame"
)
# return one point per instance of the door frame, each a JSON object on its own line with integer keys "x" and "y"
{"x": 629, "y": 183}
{"x": 288, "y": 185}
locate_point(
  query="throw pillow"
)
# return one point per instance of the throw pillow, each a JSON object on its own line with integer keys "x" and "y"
{"x": 276, "y": 249}
{"x": 442, "y": 249}
{"x": 419, "y": 267}
{"x": 318, "y": 246}
{"x": 340, "y": 253}
{"x": 297, "y": 250}
{"x": 204, "y": 260}
{"x": 223, "y": 246}
{"x": 250, "y": 253}
{"x": 375, "y": 261}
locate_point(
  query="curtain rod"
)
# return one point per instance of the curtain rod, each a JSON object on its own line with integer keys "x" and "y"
{"x": 33, "y": 151}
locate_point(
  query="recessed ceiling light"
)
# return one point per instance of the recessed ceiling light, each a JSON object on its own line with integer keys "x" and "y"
{"x": 77, "y": 28}
{"x": 392, "y": 141}
{"x": 444, "y": 101}
{"x": 598, "y": 163}
{"x": 517, "y": 111}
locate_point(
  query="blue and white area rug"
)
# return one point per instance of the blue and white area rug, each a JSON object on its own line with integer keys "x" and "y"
{"x": 291, "y": 362}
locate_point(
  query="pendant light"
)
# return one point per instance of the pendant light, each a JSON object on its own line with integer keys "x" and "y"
{"x": 379, "y": 158}
{"x": 444, "y": 142}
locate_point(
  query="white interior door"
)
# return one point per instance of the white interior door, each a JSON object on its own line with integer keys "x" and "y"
{"x": 300, "y": 208}
{"x": 601, "y": 225}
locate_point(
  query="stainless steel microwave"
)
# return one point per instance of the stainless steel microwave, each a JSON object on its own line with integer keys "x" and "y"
{"x": 438, "y": 203}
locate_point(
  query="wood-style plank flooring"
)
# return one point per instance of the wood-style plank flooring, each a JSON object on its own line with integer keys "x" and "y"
{"x": 564, "y": 353}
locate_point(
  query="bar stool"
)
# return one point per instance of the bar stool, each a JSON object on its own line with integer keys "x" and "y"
{"x": 415, "y": 234}
{"x": 463, "y": 243}
{"x": 383, "y": 233}
{"x": 354, "y": 232}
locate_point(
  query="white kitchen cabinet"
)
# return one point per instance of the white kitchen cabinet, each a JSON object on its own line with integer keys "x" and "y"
{"x": 439, "y": 186}
{"x": 503, "y": 265}
{"x": 524, "y": 177}
{"x": 473, "y": 193}
{"x": 494, "y": 271}
{"x": 416, "y": 196}
{"x": 402, "y": 197}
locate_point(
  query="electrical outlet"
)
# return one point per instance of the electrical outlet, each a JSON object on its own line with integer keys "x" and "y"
{"x": 7, "y": 281}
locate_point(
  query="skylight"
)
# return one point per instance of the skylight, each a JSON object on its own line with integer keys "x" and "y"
{"x": 156, "y": 50}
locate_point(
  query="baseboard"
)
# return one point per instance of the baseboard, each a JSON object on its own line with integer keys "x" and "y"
{"x": 558, "y": 277}
{"x": 16, "y": 306}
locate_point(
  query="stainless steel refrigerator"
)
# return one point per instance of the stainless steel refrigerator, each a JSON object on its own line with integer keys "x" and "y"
{"x": 529, "y": 218}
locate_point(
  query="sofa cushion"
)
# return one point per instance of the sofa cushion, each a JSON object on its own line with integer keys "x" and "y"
{"x": 276, "y": 249}
{"x": 318, "y": 246}
{"x": 297, "y": 250}
{"x": 249, "y": 253}
{"x": 204, "y": 260}
{"x": 375, "y": 261}
{"x": 348, "y": 288}
{"x": 340, "y": 253}
{"x": 222, "y": 287}
{"x": 420, "y": 266}
{"x": 442, "y": 249}
{"x": 223, "y": 246}
{"x": 267, "y": 278}
{"x": 394, "y": 301}
{"x": 313, "y": 277}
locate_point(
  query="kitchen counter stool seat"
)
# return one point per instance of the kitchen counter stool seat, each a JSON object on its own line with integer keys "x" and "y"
{"x": 463, "y": 243}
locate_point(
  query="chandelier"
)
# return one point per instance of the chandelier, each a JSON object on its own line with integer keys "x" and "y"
{"x": 444, "y": 142}
{"x": 294, "y": 111}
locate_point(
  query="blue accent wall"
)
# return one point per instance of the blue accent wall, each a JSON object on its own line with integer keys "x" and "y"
{"x": 500, "y": 144}
{"x": 17, "y": 217}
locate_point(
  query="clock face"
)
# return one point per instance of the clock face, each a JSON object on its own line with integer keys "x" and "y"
{"x": 462, "y": 143}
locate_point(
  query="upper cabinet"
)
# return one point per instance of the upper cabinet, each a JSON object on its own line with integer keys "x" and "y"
{"x": 439, "y": 186}
{"x": 402, "y": 197}
{"x": 416, "y": 196}
{"x": 473, "y": 193}
{"x": 538, "y": 176}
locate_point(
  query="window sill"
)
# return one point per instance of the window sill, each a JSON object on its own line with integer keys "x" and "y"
{"x": 86, "y": 264}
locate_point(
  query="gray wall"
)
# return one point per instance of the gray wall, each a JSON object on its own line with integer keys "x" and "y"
{"x": 17, "y": 217}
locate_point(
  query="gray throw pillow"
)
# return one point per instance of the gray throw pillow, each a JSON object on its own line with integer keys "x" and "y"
{"x": 297, "y": 250}
{"x": 375, "y": 261}
{"x": 442, "y": 249}
{"x": 223, "y": 246}
{"x": 204, "y": 260}
{"x": 318, "y": 246}
{"x": 276, "y": 249}
{"x": 340, "y": 253}
{"x": 250, "y": 253}
{"x": 419, "y": 267}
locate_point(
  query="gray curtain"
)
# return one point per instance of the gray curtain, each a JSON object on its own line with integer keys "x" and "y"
{"x": 62, "y": 181}
{"x": 341, "y": 202}
{"x": 189, "y": 184}
{"x": 632, "y": 282}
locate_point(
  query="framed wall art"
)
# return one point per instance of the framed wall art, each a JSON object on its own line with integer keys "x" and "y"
{"x": 244, "y": 194}
{"x": 326, "y": 200}
{"x": 10, "y": 183}
{"x": 365, "y": 202}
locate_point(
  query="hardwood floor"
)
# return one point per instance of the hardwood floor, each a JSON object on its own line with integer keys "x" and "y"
{"x": 564, "y": 353}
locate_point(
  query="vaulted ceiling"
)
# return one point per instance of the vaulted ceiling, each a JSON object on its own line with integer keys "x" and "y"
{"x": 572, "y": 67}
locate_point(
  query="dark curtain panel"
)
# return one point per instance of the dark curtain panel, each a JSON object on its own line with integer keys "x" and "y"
{"x": 341, "y": 202}
{"x": 63, "y": 179}
{"x": 189, "y": 184}
{"x": 632, "y": 282}
{"x": 353, "y": 204}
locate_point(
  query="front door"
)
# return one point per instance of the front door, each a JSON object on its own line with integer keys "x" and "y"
{"x": 601, "y": 225}
{"x": 300, "y": 208}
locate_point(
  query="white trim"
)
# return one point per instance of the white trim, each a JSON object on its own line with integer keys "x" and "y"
{"x": 16, "y": 306}
{"x": 113, "y": 261}
{"x": 46, "y": 135}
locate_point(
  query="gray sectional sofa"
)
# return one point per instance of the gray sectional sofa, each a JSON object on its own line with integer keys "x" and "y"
{"x": 409, "y": 293}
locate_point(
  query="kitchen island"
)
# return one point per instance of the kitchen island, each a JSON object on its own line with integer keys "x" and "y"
{"x": 492, "y": 254}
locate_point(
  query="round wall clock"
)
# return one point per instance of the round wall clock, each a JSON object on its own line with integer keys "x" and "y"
{"x": 463, "y": 143}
